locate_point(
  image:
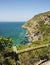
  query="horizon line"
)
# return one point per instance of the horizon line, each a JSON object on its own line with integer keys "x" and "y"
{"x": 12, "y": 21}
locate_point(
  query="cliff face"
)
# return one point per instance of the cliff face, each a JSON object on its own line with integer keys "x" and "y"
{"x": 38, "y": 27}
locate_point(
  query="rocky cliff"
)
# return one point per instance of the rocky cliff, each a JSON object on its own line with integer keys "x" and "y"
{"x": 38, "y": 28}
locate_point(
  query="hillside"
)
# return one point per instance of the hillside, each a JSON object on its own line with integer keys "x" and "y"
{"x": 38, "y": 28}
{"x": 38, "y": 33}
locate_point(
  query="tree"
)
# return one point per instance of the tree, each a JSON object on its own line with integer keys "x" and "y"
{"x": 7, "y": 55}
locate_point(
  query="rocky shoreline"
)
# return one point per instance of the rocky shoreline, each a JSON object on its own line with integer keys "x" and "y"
{"x": 33, "y": 31}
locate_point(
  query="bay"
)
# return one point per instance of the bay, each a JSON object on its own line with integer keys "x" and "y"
{"x": 13, "y": 30}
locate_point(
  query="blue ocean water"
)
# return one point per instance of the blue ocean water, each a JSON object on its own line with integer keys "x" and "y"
{"x": 13, "y": 30}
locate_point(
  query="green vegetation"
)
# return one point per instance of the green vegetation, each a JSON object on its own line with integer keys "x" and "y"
{"x": 28, "y": 58}
{"x": 7, "y": 55}
{"x": 34, "y": 56}
{"x": 35, "y": 18}
{"x": 39, "y": 26}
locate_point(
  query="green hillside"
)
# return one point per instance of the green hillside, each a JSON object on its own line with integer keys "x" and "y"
{"x": 38, "y": 28}
{"x": 38, "y": 33}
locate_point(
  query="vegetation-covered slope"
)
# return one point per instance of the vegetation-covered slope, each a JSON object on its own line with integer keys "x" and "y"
{"x": 38, "y": 33}
{"x": 7, "y": 55}
{"x": 38, "y": 28}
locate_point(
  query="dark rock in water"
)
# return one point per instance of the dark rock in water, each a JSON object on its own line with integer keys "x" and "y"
{"x": 25, "y": 41}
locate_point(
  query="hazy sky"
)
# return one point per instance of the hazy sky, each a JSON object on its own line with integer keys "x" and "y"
{"x": 22, "y": 10}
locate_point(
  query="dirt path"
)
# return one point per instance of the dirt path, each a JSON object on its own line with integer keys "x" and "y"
{"x": 42, "y": 62}
{"x": 46, "y": 63}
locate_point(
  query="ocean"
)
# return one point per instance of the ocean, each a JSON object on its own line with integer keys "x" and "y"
{"x": 13, "y": 30}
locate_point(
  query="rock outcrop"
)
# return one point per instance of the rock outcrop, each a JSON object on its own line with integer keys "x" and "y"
{"x": 38, "y": 26}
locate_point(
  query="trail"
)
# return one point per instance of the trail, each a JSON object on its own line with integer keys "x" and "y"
{"x": 43, "y": 62}
{"x": 46, "y": 63}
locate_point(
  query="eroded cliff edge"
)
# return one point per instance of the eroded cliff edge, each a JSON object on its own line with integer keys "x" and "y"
{"x": 38, "y": 28}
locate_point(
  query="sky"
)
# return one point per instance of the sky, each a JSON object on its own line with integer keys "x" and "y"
{"x": 22, "y": 10}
